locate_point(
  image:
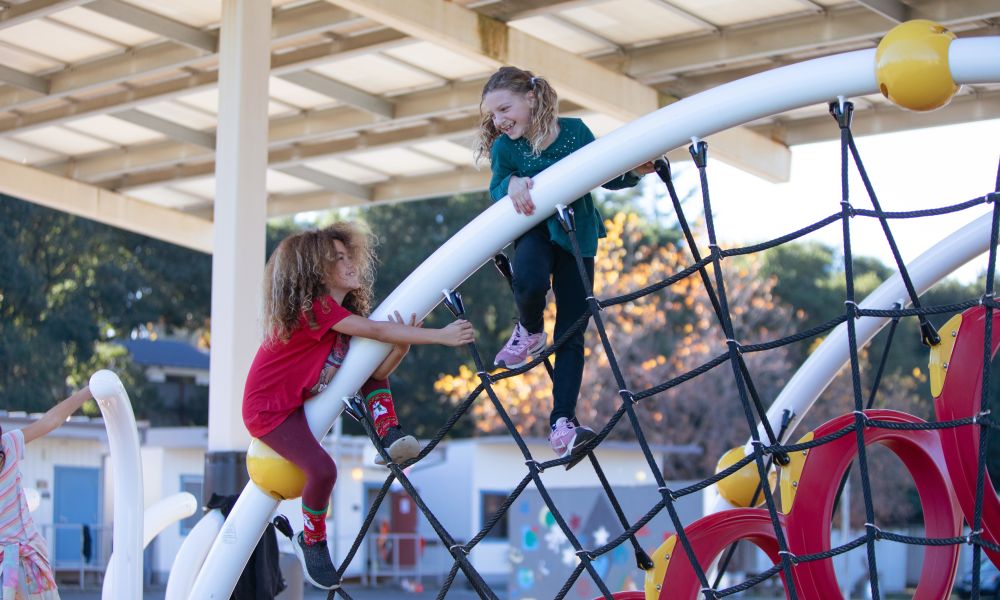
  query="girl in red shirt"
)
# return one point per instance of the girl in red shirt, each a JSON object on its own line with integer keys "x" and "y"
{"x": 317, "y": 293}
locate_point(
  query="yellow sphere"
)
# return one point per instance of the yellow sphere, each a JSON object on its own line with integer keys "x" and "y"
{"x": 911, "y": 65}
{"x": 739, "y": 487}
{"x": 272, "y": 473}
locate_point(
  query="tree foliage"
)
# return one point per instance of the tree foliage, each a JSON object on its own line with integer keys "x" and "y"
{"x": 68, "y": 283}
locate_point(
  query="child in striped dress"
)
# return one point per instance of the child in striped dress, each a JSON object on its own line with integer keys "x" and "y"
{"x": 25, "y": 572}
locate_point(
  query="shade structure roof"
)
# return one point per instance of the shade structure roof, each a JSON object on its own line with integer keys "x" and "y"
{"x": 113, "y": 103}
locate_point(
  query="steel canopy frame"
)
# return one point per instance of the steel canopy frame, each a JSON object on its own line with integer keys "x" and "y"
{"x": 972, "y": 60}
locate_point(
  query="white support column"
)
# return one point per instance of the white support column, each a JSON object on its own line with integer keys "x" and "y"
{"x": 240, "y": 214}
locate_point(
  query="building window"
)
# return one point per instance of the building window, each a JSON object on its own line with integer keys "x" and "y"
{"x": 490, "y": 503}
{"x": 194, "y": 485}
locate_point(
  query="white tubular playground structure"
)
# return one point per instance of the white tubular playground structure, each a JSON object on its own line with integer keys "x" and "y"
{"x": 821, "y": 80}
{"x": 125, "y": 567}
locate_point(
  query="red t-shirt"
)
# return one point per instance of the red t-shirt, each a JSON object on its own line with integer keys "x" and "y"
{"x": 283, "y": 373}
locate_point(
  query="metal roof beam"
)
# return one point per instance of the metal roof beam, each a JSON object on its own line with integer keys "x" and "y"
{"x": 966, "y": 108}
{"x": 172, "y": 56}
{"x": 302, "y": 153}
{"x": 158, "y": 24}
{"x": 24, "y": 80}
{"x": 578, "y": 79}
{"x": 281, "y": 63}
{"x": 167, "y": 128}
{"x": 337, "y": 121}
{"x": 400, "y": 189}
{"x": 894, "y": 10}
{"x": 34, "y": 9}
{"x": 327, "y": 181}
{"x": 343, "y": 92}
{"x": 787, "y": 36}
{"x": 104, "y": 206}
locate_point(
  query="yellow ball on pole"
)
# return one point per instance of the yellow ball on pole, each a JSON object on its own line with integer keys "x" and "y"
{"x": 272, "y": 473}
{"x": 911, "y": 65}
{"x": 738, "y": 488}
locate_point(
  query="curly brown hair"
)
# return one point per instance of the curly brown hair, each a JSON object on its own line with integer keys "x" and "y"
{"x": 296, "y": 275}
{"x": 544, "y": 115}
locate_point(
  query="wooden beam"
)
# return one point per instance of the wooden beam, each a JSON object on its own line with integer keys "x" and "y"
{"x": 576, "y": 78}
{"x": 104, "y": 206}
{"x": 842, "y": 27}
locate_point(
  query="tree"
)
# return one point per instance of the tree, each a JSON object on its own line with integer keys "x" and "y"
{"x": 67, "y": 283}
{"x": 655, "y": 338}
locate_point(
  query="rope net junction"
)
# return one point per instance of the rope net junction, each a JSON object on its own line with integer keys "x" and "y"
{"x": 796, "y": 540}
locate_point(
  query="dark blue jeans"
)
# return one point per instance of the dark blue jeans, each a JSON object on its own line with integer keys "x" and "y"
{"x": 537, "y": 262}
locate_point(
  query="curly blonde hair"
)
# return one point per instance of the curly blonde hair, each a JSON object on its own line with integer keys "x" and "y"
{"x": 544, "y": 115}
{"x": 296, "y": 274}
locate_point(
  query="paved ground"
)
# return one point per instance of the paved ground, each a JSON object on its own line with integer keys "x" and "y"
{"x": 357, "y": 592}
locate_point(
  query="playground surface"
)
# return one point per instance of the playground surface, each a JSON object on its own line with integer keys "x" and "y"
{"x": 357, "y": 592}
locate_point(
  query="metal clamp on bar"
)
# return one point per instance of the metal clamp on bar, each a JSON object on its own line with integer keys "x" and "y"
{"x": 355, "y": 407}
{"x": 699, "y": 152}
{"x": 565, "y": 216}
{"x": 843, "y": 112}
{"x": 503, "y": 265}
{"x": 928, "y": 334}
{"x": 662, "y": 168}
{"x": 453, "y": 300}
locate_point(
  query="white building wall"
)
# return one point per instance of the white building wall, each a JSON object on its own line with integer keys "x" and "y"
{"x": 499, "y": 466}
{"x": 162, "y": 469}
{"x": 42, "y": 456}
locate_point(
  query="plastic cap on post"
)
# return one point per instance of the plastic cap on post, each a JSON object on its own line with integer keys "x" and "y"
{"x": 105, "y": 387}
{"x": 453, "y": 300}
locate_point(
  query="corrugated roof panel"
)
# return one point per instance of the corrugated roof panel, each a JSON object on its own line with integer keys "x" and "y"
{"x": 444, "y": 62}
{"x": 400, "y": 161}
{"x": 180, "y": 114}
{"x": 208, "y": 101}
{"x": 445, "y": 150}
{"x": 62, "y": 140}
{"x": 203, "y": 187}
{"x": 283, "y": 183}
{"x": 113, "y": 29}
{"x": 731, "y": 12}
{"x": 345, "y": 170}
{"x": 26, "y": 62}
{"x": 115, "y": 130}
{"x": 559, "y": 34}
{"x": 374, "y": 74}
{"x": 197, "y": 13}
{"x": 298, "y": 96}
{"x": 165, "y": 196}
{"x": 72, "y": 47}
{"x": 24, "y": 153}
{"x": 629, "y": 22}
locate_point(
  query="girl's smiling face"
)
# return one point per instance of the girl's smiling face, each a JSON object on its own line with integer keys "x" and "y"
{"x": 510, "y": 111}
{"x": 342, "y": 275}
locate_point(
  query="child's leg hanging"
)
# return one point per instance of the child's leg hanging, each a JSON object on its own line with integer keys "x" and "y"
{"x": 293, "y": 440}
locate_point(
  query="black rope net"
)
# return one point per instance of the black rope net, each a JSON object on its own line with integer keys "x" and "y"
{"x": 767, "y": 450}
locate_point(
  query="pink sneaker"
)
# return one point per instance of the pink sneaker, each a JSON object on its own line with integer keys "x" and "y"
{"x": 567, "y": 438}
{"x": 521, "y": 348}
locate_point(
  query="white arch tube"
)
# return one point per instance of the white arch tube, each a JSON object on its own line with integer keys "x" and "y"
{"x": 123, "y": 443}
{"x": 156, "y": 518}
{"x": 191, "y": 555}
{"x": 974, "y": 60}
